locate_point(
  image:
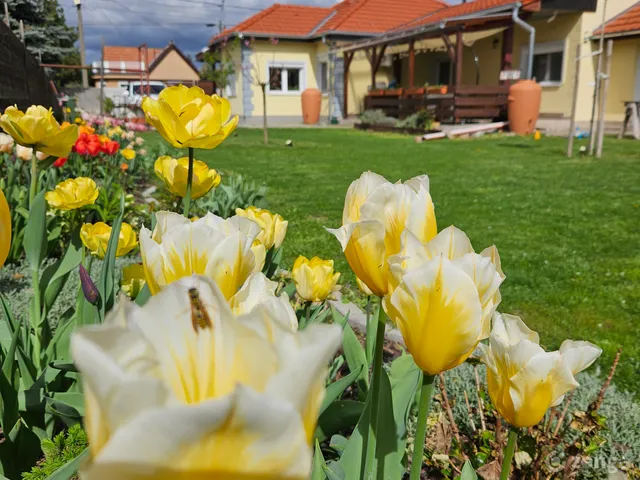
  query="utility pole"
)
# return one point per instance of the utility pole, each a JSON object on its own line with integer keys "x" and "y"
{"x": 222, "y": 16}
{"x": 101, "y": 76}
{"x": 6, "y": 13}
{"x": 85, "y": 73}
{"x": 603, "y": 99}
{"x": 22, "y": 31}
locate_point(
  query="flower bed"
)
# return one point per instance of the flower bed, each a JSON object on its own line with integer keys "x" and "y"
{"x": 207, "y": 359}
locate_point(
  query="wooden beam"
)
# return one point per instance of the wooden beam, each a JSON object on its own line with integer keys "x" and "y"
{"x": 450, "y": 49}
{"x": 459, "y": 54}
{"x": 348, "y": 56}
{"x": 506, "y": 60}
{"x": 376, "y": 59}
{"x": 412, "y": 63}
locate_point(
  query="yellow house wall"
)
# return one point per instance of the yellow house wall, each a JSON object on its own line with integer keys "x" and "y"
{"x": 360, "y": 81}
{"x": 236, "y": 100}
{"x": 174, "y": 68}
{"x": 624, "y": 65}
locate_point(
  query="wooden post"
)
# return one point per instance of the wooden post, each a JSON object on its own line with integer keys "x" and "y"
{"x": 102, "y": 77}
{"x": 507, "y": 51}
{"x": 6, "y": 13}
{"x": 574, "y": 105}
{"x": 22, "y": 31}
{"x": 348, "y": 56}
{"x": 603, "y": 103}
{"x": 459, "y": 53}
{"x": 412, "y": 63}
{"x": 372, "y": 62}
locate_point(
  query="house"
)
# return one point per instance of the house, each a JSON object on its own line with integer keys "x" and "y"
{"x": 624, "y": 30}
{"x": 476, "y": 49}
{"x": 123, "y": 65}
{"x": 287, "y": 47}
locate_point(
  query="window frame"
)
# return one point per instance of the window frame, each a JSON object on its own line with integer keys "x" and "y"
{"x": 547, "y": 48}
{"x": 285, "y": 67}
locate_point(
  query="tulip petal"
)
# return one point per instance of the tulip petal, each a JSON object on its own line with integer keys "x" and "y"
{"x": 579, "y": 355}
{"x": 511, "y": 329}
{"x": 241, "y": 436}
{"x": 419, "y": 182}
{"x": 437, "y": 310}
{"x": 357, "y": 194}
{"x": 5, "y": 229}
{"x": 60, "y": 143}
{"x": 451, "y": 242}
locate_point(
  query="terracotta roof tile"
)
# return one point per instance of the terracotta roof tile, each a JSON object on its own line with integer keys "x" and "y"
{"x": 128, "y": 54}
{"x": 626, "y": 22}
{"x": 377, "y": 16}
{"x": 280, "y": 20}
{"x": 466, "y": 9}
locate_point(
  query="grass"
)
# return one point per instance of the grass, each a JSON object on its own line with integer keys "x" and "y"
{"x": 568, "y": 230}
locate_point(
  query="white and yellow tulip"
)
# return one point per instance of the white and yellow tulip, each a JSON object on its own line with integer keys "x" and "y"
{"x": 376, "y": 213}
{"x": 183, "y": 388}
{"x": 524, "y": 380}
{"x": 221, "y": 249}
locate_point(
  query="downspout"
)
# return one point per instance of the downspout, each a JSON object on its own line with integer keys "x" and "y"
{"x": 532, "y": 37}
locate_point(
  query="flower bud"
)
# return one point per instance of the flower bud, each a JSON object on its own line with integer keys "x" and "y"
{"x": 88, "y": 287}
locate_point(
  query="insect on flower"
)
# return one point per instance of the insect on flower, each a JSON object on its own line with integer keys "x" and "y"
{"x": 199, "y": 316}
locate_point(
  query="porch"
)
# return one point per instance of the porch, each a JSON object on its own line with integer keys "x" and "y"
{"x": 427, "y": 70}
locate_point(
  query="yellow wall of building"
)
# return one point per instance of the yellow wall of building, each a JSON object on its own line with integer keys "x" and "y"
{"x": 237, "y": 107}
{"x": 174, "y": 68}
{"x": 622, "y": 86}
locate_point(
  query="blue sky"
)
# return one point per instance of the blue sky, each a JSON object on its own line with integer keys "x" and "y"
{"x": 156, "y": 22}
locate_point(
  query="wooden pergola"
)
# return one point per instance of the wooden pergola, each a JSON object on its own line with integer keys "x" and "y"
{"x": 463, "y": 101}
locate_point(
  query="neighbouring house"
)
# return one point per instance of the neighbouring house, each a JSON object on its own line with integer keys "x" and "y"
{"x": 476, "y": 49}
{"x": 288, "y": 47}
{"x": 124, "y": 65}
{"x": 624, "y": 30}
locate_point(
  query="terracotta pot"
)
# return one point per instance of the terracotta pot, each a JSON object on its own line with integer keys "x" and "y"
{"x": 525, "y": 97}
{"x": 444, "y": 90}
{"x": 311, "y": 104}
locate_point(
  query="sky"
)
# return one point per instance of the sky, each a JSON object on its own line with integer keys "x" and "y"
{"x": 156, "y": 22}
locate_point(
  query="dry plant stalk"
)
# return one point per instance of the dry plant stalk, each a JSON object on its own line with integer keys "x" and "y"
{"x": 563, "y": 414}
{"x": 595, "y": 406}
{"x": 447, "y": 406}
{"x": 469, "y": 412}
{"x": 499, "y": 438}
{"x": 479, "y": 399}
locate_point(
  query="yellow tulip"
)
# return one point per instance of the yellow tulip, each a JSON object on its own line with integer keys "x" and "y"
{"x": 133, "y": 279}
{"x": 273, "y": 227}
{"x": 523, "y": 380}
{"x": 37, "y": 128}
{"x": 128, "y": 153}
{"x": 376, "y": 213}
{"x": 6, "y": 143}
{"x": 5, "y": 229}
{"x": 314, "y": 278}
{"x": 73, "y": 193}
{"x": 238, "y": 406}
{"x": 363, "y": 288}
{"x": 96, "y": 238}
{"x": 187, "y": 117}
{"x": 220, "y": 249}
{"x": 174, "y": 173}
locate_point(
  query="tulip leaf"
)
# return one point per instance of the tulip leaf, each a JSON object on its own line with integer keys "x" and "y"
{"x": 336, "y": 389}
{"x": 468, "y": 473}
{"x": 338, "y": 442}
{"x": 60, "y": 344}
{"x": 405, "y": 378}
{"x": 317, "y": 469}
{"x": 69, "y": 403}
{"x": 69, "y": 469}
{"x": 55, "y": 276}
{"x": 144, "y": 295}
{"x": 106, "y": 284}
{"x": 340, "y": 415}
{"x": 372, "y": 326}
{"x": 356, "y": 359}
{"x": 389, "y": 458}
{"x": 35, "y": 235}
{"x": 334, "y": 471}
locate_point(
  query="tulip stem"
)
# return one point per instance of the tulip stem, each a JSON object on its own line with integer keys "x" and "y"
{"x": 35, "y": 317}
{"x": 426, "y": 393}
{"x": 508, "y": 454}
{"x": 34, "y": 178}
{"x": 187, "y": 197}
{"x": 371, "y": 460}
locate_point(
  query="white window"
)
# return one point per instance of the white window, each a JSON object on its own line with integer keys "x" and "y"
{"x": 323, "y": 76}
{"x": 286, "y": 78}
{"x": 548, "y": 63}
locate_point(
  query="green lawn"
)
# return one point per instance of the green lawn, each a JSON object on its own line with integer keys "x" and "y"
{"x": 568, "y": 231}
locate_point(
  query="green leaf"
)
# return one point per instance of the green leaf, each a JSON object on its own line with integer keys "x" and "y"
{"x": 336, "y": 389}
{"x": 405, "y": 378}
{"x": 59, "y": 348}
{"x": 338, "y": 442}
{"x": 370, "y": 340}
{"x": 356, "y": 359}
{"x": 340, "y": 415}
{"x": 70, "y": 468}
{"x": 72, "y": 400}
{"x": 143, "y": 296}
{"x": 106, "y": 284}
{"x": 468, "y": 473}
{"x": 35, "y": 236}
{"x": 334, "y": 471}
{"x": 317, "y": 469}
{"x": 55, "y": 276}
{"x": 9, "y": 362}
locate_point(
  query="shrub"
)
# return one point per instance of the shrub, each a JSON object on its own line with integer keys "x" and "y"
{"x": 58, "y": 451}
{"x": 376, "y": 117}
{"x": 423, "y": 120}
{"x": 235, "y": 191}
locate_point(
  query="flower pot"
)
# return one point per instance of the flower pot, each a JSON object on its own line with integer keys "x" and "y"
{"x": 524, "y": 98}
{"x": 311, "y": 104}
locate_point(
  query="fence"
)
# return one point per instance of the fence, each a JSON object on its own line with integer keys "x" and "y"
{"x": 22, "y": 81}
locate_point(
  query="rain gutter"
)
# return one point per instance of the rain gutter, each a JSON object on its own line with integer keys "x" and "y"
{"x": 532, "y": 38}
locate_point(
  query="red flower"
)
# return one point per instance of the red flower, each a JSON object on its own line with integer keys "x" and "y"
{"x": 94, "y": 148}
{"x": 81, "y": 147}
{"x": 60, "y": 162}
{"x": 111, "y": 147}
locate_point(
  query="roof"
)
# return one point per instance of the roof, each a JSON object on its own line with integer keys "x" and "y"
{"x": 465, "y": 9}
{"x": 626, "y": 22}
{"x": 165, "y": 51}
{"x": 349, "y": 17}
{"x": 128, "y": 54}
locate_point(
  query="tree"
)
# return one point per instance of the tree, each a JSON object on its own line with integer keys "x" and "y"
{"x": 218, "y": 67}
{"x": 47, "y": 36}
